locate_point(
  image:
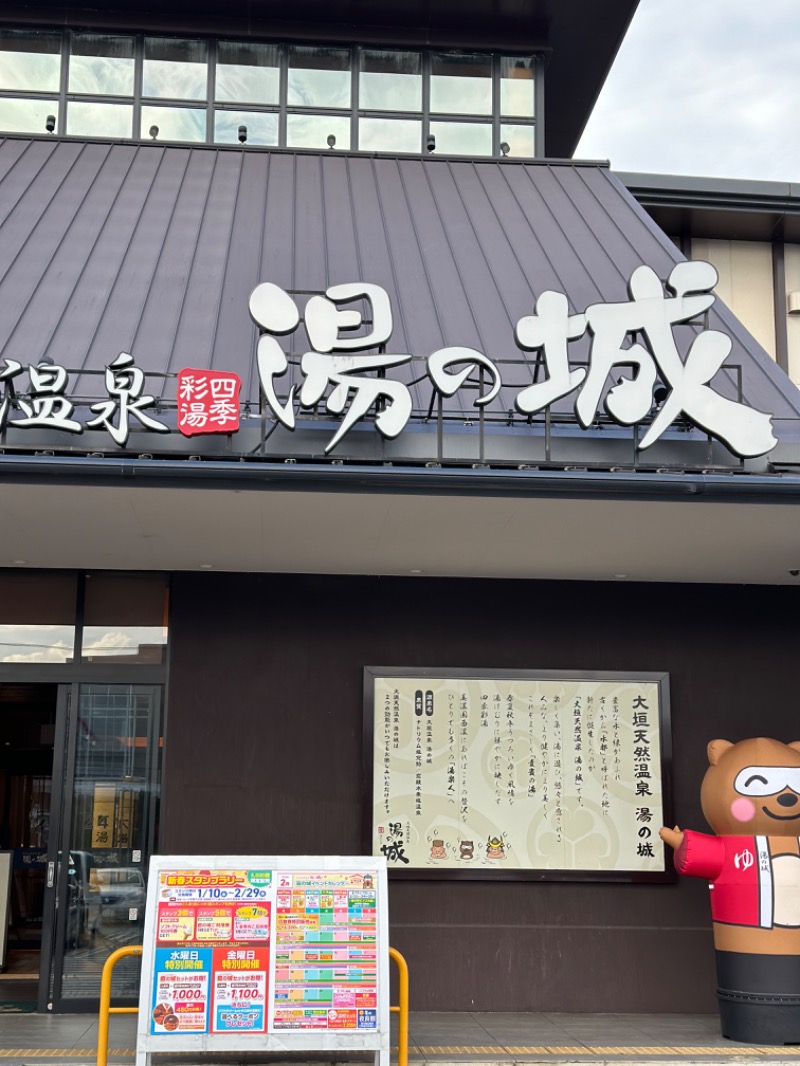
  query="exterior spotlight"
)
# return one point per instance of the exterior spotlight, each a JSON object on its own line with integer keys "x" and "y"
{"x": 505, "y": 148}
{"x": 153, "y": 132}
{"x": 430, "y": 143}
{"x": 331, "y": 141}
{"x": 242, "y": 134}
{"x": 50, "y": 123}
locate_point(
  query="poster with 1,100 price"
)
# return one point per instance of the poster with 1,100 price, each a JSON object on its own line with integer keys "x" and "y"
{"x": 481, "y": 775}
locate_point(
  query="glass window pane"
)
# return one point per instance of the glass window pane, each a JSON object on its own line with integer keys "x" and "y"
{"x": 312, "y": 131}
{"x": 99, "y": 120}
{"x": 125, "y": 618}
{"x": 519, "y": 140}
{"x": 516, "y": 87}
{"x": 37, "y": 617}
{"x": 461, "y": 84}
{"x": 462, "y": 138}
{"x": 390, "y": 81}
{"x": 389, "y": 135}
{"x": 248, "y": 73}
{"x": 173, "y": 123}
{"x": 26, "y": 116}
{"x": 175, "y": 69}
{"x": 30, "y": 60}
{"x": 262, "y": 127}
{"x": 101, "y": 65}
{"x": 319, "y": 77}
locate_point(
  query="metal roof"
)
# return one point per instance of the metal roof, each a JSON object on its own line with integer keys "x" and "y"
{"x": 152, "y": 249}
{"x": 726, "y": 208}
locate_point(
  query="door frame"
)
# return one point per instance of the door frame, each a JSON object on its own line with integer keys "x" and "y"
{"x": 66, "y": 694}
{"x": 50, "y": 997}
{"x": 69, "y": 675}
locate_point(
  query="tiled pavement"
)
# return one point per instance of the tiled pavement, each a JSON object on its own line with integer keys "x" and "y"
{"x": 440, "y": 1039}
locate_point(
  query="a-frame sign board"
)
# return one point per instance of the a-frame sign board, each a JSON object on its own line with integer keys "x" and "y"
{"x": 260, "y": 953}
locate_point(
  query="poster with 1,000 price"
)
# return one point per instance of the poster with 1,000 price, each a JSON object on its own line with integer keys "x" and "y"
{"x": 539, "y": 774}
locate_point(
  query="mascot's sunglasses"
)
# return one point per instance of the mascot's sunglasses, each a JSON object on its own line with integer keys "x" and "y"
{"x": 767, "y": 780}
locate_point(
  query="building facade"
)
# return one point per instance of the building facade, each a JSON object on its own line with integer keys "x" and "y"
{"x": 281, "y": 401}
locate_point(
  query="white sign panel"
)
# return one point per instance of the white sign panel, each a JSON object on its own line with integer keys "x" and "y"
{"x": 265, "y": 953}
{"x": 548, "y": 772}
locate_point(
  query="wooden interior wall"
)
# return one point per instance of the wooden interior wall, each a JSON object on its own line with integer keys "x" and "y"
{"x": 264, "y": 755}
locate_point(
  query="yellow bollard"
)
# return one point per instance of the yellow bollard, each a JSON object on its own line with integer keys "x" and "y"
{"x": 402, "y": 1007}
{"x": 105, "y": 1001}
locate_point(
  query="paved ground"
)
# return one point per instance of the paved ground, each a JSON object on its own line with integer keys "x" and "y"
{"x": 444, "y": 1038}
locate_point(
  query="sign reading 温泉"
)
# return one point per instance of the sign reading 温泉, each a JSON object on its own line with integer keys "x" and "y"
{"x": 265, "y": 954}
{"x": 557, "y": 774}
{"x": 349, "y": 328}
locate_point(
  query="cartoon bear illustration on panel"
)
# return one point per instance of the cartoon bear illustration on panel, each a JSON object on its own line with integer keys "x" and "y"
{"x": 751, "y": 799}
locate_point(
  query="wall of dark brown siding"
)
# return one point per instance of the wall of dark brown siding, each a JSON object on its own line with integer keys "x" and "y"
{"x": 264, "y": 755}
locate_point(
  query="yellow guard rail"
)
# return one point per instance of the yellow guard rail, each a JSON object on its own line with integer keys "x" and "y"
{"x": 105, "y": 1001}
{"x": 402, "y": 1007}
{"x": 106, "y": 1009}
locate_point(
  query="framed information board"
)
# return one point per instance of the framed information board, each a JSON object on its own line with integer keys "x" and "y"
{"x": 518, "y": 774}
{"x": 265, "y": 953}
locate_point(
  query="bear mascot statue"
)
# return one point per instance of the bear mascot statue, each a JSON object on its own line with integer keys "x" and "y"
{"x": 751, "y": 799}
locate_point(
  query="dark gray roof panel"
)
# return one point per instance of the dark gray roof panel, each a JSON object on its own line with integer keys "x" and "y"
{"x": 155, "y": 250}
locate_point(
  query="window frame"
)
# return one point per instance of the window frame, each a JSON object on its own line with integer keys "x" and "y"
{"x": 282, "y": 109}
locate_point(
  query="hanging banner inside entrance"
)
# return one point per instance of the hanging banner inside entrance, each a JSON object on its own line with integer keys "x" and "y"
{"x": 555, "y": 774}
{"x": 268, "y": 953}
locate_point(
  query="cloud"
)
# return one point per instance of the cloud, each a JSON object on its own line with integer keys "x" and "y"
{"x": 703, "y": 87}
{"x": 35, "y": 644}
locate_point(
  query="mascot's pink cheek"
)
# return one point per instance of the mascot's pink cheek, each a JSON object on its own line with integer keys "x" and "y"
{"x": 743, "y": 809}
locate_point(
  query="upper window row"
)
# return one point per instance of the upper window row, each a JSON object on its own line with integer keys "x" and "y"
{"x": 89, "y": 84}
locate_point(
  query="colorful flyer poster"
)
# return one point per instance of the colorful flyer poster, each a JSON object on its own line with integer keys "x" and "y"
{"x": 240, "y": 990}
{"x": 217, "y": 980}
{"x": 325, "y": 951}
{"x": 181, "y": 990}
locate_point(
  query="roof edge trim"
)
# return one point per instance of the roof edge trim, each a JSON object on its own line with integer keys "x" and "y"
{"x": 176, "y": 474}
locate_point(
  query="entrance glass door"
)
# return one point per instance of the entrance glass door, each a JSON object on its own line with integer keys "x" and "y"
{"x": 106, "y": 834}
{"x": 27, "y": 731}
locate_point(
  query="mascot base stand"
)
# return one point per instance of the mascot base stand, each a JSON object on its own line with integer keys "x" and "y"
{"x": 751, "y": 799}
{"x": 759, "y": 997}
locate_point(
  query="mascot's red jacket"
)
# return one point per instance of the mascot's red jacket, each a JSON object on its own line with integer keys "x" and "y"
{"x": 740, "y": 873}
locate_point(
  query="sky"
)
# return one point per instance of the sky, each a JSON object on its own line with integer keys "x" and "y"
{"x": 709, "y": 88}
